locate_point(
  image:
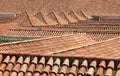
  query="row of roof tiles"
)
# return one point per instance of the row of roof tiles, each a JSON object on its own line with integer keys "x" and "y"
{"x": 41, "y": 33}
{"x": 82, "y": 28}
{"x": 44, "y": 66}
{"x": 97, "y": 36}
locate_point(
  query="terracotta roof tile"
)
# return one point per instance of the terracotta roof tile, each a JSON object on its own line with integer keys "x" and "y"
{"x": 73, "y": 70}
{"x": 1, "y": 58}
{"x": 92, "y": 68}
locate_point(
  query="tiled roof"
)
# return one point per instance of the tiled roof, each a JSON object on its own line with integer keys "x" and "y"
{"x": 68, "y": 17}
{"x": 27, "y": 19}
{"x": 76, "y": 16}
{"x": 102, "y": 36}
{"x": 47, "y": 45}
{"x": 26, "y": 65}
{"x": 86, "y": 27}
{"x": 42, "y": 17}
{"x": 57, "y": 18}
{"x": 103, "y": 49}
{"x": 41, "y": 33}
{"x": 4, "y": 28}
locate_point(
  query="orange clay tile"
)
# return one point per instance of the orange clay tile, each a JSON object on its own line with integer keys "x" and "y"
{"x": 92, "y": 68}
{"x": 111, "y": 65}
{"x": 101, "y": 67}
{"x": 73, "y": 69}
{"x": 102, "y": 64}
{"x": 109, "y": 72}
{"x": 20, "y": 74}
{"x": 100, "y": 71}
{"x": 13, "y": 73}
{"x": 1, "y": 57}
{"x": 83, "y": 68}
{"x": 6, "y": 73}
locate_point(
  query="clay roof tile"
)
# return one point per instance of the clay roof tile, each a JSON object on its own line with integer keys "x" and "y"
{"x": 102, "y": 64}
{"x": 35, "y": 60}
{"x": 20, "y": 60}
{"x": 6, "y": 60}
{"x": 42, "y": 60}
{"x": 1, "y": 58}
{"x": 66, "y": 62}
{"x": 27, "y": 60}
{"x": 111, "y": 65}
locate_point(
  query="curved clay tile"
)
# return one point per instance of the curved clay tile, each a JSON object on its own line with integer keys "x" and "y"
{"x": 20, "y": 74}
{"x": 102, "y": 64}
{"x": 42, "y": 60}
{"x": 24, "y": 68}
{"x": 50, "y": 61}
{"x": 109, "y": 72}
{"x": 17, "y": 66}
{"x": 13, "y": 60}
{"x": 85, "y": 63}
{"x": 110, "y": 67}
{"x": 27, "y": 60}
{"x": 56, "y": 66}
{"x": 75, "y": 63}
{"x": 32, "y": 67}
{"x": 93, "y": 64}
{"x": 20, "y": 60}
{"x": 4, "y": 64}
{"x": 55, "y": 70}
{"x": 83, "y": 68}
{"x": 118, "y": 70}
{"x": 35, "y": 60}
{"x": 6, "y": 73}
{"x": 64, "y": 68}
{"x": 10, "y": 66}
{"x": 13, "y": 74}
{"x": 40, "y": 66}
{"x": 74, "y": 67}
{"x": 1, "y": 57}
{"x": 91, "y": 70}
{"x": 6, "y": 60}
{"x": 48, "y": 67}
{"x": 28, "y": 74}
{"x": 66, "y": 62}
{"x": 57, "y": 62}
{"x": 100, "y": 70}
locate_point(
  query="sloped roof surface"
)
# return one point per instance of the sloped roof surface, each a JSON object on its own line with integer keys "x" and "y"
{"x": 27, "y": 19}
{"x": 57, "y": 18}
{"x": 4, "y": 28}
{"x": 104, "y": 49}
{"x": 42, "y": 17}
{"x": 46, "y": 46}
